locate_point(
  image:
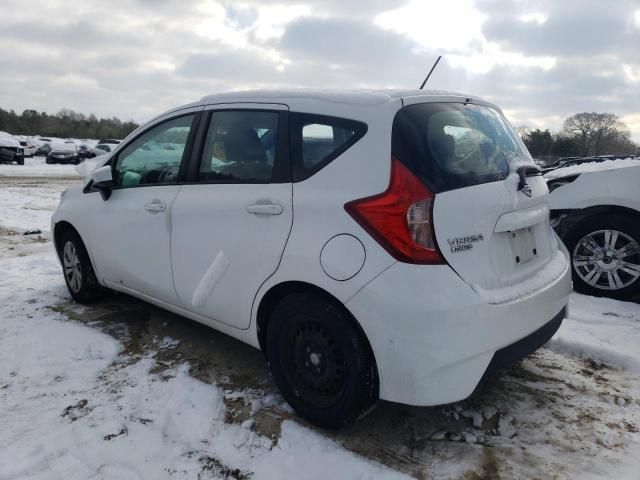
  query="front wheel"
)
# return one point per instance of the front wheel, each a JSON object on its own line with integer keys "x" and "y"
{"x": 605, "y": 255}
{"x": 320, "y": 360}
{"x": 77, "y": 269}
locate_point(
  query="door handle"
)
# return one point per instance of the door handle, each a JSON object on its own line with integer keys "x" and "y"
{"x": 265, "y": 209}
{"x": 155, "y": 206}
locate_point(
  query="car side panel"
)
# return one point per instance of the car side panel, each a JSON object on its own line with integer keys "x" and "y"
{"x": 606, "y": 187}
{"x": 319, "y": 214}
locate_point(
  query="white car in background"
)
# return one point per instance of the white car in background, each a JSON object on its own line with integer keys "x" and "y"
{"x": 420, "y": 255}
{"x": 29, "y": 147}
{"x": 102, "y": 148}
{"x": 595, "y": 208}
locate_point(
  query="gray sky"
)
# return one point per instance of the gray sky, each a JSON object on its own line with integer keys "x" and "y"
{"x": 541, "y": 60}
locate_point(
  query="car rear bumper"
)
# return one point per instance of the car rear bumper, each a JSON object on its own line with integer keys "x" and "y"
{"x": 434, "y": 337}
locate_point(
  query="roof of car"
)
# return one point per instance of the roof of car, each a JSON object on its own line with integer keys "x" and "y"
{"x": 356, "y": 97}
{"x": 324, "y": 99}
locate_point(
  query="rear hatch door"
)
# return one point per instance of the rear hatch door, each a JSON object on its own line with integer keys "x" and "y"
{"x": 490, "y": 213}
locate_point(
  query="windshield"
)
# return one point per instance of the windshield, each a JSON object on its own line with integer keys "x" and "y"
{"x": 454, "y": 145}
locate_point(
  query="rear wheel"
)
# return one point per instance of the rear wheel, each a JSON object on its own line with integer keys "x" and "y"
{"x": 321, "y": 361}
{"x": 77, "y": 269}
{"x": 605, "y": 255}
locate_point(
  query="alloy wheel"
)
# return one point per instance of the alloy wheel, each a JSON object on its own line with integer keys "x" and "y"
{"x": 71, "y": 265}
{"x": 607, "y": 259}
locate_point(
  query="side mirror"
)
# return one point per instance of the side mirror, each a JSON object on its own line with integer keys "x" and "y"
{"x": 102, "y": 179}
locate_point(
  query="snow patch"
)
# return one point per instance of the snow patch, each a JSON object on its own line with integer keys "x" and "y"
{"x": 601, "y": 330}
{"x": 37, "y": 167}
{"x": 591, "y": 167}
{"x": 74, "y": 406}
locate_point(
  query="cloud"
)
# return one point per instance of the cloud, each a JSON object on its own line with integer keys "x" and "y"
{"x": 541, "y": 60}
{"x": 569, "y": 29}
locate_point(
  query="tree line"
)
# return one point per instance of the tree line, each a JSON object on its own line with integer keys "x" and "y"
{"x": 66, "y": 123}
{"x": 583, "y": 134}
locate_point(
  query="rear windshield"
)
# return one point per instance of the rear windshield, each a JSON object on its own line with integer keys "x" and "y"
{"x": 455, "y": 145}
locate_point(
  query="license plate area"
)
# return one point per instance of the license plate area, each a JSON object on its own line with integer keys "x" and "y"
{"x": 523, "y": 245}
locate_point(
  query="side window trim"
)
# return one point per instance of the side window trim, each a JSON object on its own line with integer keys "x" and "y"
{"x": 297, "y": 123}
{"x": 282, "y": 163}
{"x": 186, "y": 157}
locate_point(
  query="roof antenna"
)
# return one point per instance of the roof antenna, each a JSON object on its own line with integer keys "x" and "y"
{"x": 430, "y": 72}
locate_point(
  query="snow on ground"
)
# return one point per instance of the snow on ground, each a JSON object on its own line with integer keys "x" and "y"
{"x": 120, "y": 390}
{"x": 75, "y": 405}
{"x": 27, "y": 212}
{"x": 602, "y": 330}
{"x": 36, "y": 167}
{"x": 591, "y": 167}
{"x": 75, "y": 409}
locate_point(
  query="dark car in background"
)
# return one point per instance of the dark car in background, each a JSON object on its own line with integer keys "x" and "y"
{"x": 43, "y": 150}
{"x": 10, "y": 150}
{"x": 84, "y": 152}
{"x": 113, "y": 141}
{"x": 64, "y": 153}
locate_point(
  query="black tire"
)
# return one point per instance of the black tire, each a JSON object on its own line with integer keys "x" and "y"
{"x": 321, "y": 361}
{"x": 627, "y": 226}
{"x": 20, "y": 162}
{"x": 84, "y": 288}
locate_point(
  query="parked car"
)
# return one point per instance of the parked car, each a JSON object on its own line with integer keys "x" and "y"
{"x": 84, "y": 151}
{"x": 595, "y": 208}
{"x": 63, "y": 153}
{"x": 570, "y": 161}
{"x": 420, "y": 255}
{"x": 10, "y": 150}
{"x": 43, "y": 150}
{"x": 112, "y": 141}
{"x": 102, "y": 148}
{"x": 28, "y": 148}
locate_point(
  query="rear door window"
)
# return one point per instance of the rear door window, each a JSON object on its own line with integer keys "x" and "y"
{"x": 316, "y": 140}
{"x": 454, "y": 145}
{"x": 241, "y": 147}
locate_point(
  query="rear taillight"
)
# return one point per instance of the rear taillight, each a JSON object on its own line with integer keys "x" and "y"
{"x": 401, "y": 218}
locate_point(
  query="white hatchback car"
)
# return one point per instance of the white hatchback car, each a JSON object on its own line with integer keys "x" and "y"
{"x": 391, "y": 245}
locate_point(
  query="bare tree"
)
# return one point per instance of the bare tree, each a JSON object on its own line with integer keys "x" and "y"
{"x": 598, "y": 133}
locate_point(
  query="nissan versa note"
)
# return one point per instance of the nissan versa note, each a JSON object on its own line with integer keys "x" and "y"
{"x": 374, "y": 245}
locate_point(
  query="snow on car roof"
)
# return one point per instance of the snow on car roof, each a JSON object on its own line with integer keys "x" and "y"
{"x": 591, "y": 167}
{"x": 63, "y": 147}
{"x": 8, "y": 141}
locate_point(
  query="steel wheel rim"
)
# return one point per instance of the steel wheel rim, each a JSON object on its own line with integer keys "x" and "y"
{"x": 607, "y": 259}
{"x": 315, "y": 364}
{"x": 71, "y": 265}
